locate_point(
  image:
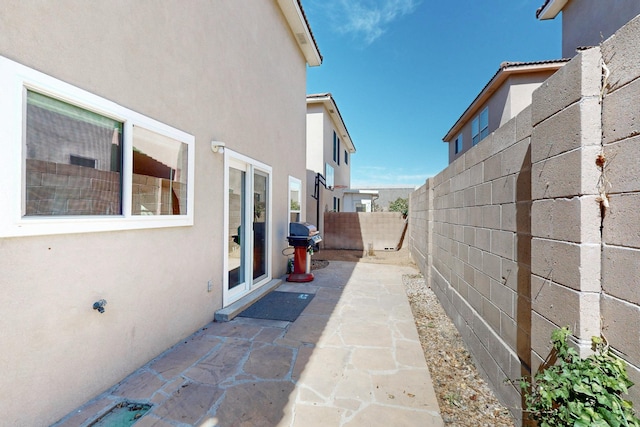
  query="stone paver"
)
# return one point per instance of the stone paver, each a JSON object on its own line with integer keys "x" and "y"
{"x": 353, "y": 358}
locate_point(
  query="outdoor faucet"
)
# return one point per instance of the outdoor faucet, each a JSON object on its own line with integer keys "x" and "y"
{"x": 99, "y": 305}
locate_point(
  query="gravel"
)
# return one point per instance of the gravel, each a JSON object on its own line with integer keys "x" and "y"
{"x": 464, "y": 397}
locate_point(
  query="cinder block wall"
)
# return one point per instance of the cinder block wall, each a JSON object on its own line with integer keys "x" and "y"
{"x": 418, "y": 235}
{"x": 565, "y": 216}
{"x": 477, "y": 222}
{"x": 521, "y": 240}
{"x": 357, "y": 230}
{"x": 620, "y": 298}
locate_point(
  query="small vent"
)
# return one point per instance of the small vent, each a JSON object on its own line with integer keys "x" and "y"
{"x": 301, "y": 38}
{"x": 82, "y": 161}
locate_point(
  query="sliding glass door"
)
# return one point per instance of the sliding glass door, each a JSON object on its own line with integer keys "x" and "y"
{"x": 248, "y": 226}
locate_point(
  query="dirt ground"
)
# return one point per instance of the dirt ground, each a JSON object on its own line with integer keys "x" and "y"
{"x": 400, "y": 257}
{"x": 464, "y": 397}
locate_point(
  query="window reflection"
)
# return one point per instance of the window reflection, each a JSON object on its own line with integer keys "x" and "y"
{"x": 72, "y": 160}
{"x": 159, "y": 174}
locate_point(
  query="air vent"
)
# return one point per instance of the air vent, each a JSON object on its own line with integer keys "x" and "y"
{"x": 301, "y": 38}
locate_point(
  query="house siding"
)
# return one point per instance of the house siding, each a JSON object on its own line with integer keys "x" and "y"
{"x": 229, "y": 71}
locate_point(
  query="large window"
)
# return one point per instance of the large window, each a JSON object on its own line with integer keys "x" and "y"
{"x": 72, "y": 160}
{"x": 75, "y": 162}
{"x": 480, "y": 126}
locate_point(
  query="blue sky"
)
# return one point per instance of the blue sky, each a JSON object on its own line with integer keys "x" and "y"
{"x": 403, "y": 71}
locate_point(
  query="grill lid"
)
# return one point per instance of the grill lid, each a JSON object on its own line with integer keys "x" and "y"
{"x": 302, "y": 229}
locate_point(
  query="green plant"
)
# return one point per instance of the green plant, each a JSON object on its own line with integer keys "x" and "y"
{"x": 400, "y": 205}
{"x": 580, "y": 392}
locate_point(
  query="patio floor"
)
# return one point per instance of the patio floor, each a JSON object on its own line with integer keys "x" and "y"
{"x": 353, "y": 358}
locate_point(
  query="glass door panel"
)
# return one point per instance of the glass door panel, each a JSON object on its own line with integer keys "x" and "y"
{"x": 237, "y": 215}
{"x": 260, "y": 220}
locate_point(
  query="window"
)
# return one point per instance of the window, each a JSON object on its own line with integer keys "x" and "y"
{"x": 336, "y": 148}
{"x": 346, "y": 157}
{"x": 81, "y": 163}
{"x": 480, "y": 126}
{"x": 458, "y": 144}
{"x": 336, "y": 204}
{"x": 295, "y": 199}
{"x": 159, "y": 174}
{"x": 59, "y": 182}
{"x": 328, "y": 175}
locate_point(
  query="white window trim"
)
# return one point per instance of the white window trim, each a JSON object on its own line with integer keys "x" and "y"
{"x": 16, "y": 79}
{"x": 235, "y": 159}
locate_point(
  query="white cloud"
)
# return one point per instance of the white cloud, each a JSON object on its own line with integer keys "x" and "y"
{"x": 368, "y": 19}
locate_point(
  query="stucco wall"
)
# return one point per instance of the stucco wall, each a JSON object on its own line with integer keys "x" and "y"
{"x": 590, "y": 22}
{"x": 520, "y": 241}
{"x": 358, "y": 230}
{"x": 225, "y": 70}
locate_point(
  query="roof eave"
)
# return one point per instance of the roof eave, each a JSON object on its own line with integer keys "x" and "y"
{"x": 292, "y": 10}
{"x": 330, "y": 105}
{"x": 551, "y": 9}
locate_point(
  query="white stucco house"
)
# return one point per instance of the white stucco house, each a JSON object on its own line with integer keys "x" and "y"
{"x": 329, "y": 150}
{"x": 151, "y": 153}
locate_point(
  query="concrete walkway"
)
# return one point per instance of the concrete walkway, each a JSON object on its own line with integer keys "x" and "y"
{"x": 352, "y": 358}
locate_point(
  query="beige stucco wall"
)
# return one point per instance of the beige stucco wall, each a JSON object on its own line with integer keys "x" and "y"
{"x": 589, "y": 22}
{"x": 364, "y": 230}
{"x": 508, "y": 100}
{"x": 225, "y": 70}
{"x": 512, "y": 237}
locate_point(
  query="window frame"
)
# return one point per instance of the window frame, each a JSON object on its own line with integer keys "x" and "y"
{"x": 458, "y": 144}
{"x": 295, "y": 182}
{"x": 17, "y": 79}
{"x": 479, "y": 133}
{"x": 336, "y": 148}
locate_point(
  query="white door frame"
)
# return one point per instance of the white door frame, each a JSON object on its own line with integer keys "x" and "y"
{"x": 249, "y": 165}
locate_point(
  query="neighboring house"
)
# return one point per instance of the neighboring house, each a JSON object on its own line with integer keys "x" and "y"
{"x": 588, "y": 22}
{"x": 329, "y": 150}
{"x": 359, "y": 200}
{"x": 113, "y": 189}
{"x": 374, "y": 199}
{"x": 507, "y": 94}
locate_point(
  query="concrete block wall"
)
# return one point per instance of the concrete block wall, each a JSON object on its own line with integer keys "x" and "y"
{"x": 480, "y": 260}
{"x": 419, "y": 236}
{"x": 516, "y": 239}
{"x": 358, "y": 230}
{"x": 620, "y": 298}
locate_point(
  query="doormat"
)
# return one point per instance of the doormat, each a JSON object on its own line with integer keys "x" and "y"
{"x": 276, "y": 305}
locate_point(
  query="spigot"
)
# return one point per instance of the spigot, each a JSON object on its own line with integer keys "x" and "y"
{"x": 99, "y": 305}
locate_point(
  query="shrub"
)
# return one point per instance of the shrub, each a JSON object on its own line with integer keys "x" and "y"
{"x": 580, "y": 392}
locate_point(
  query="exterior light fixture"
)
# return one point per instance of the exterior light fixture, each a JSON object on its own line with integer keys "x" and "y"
{"x": 217, "y": 146}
